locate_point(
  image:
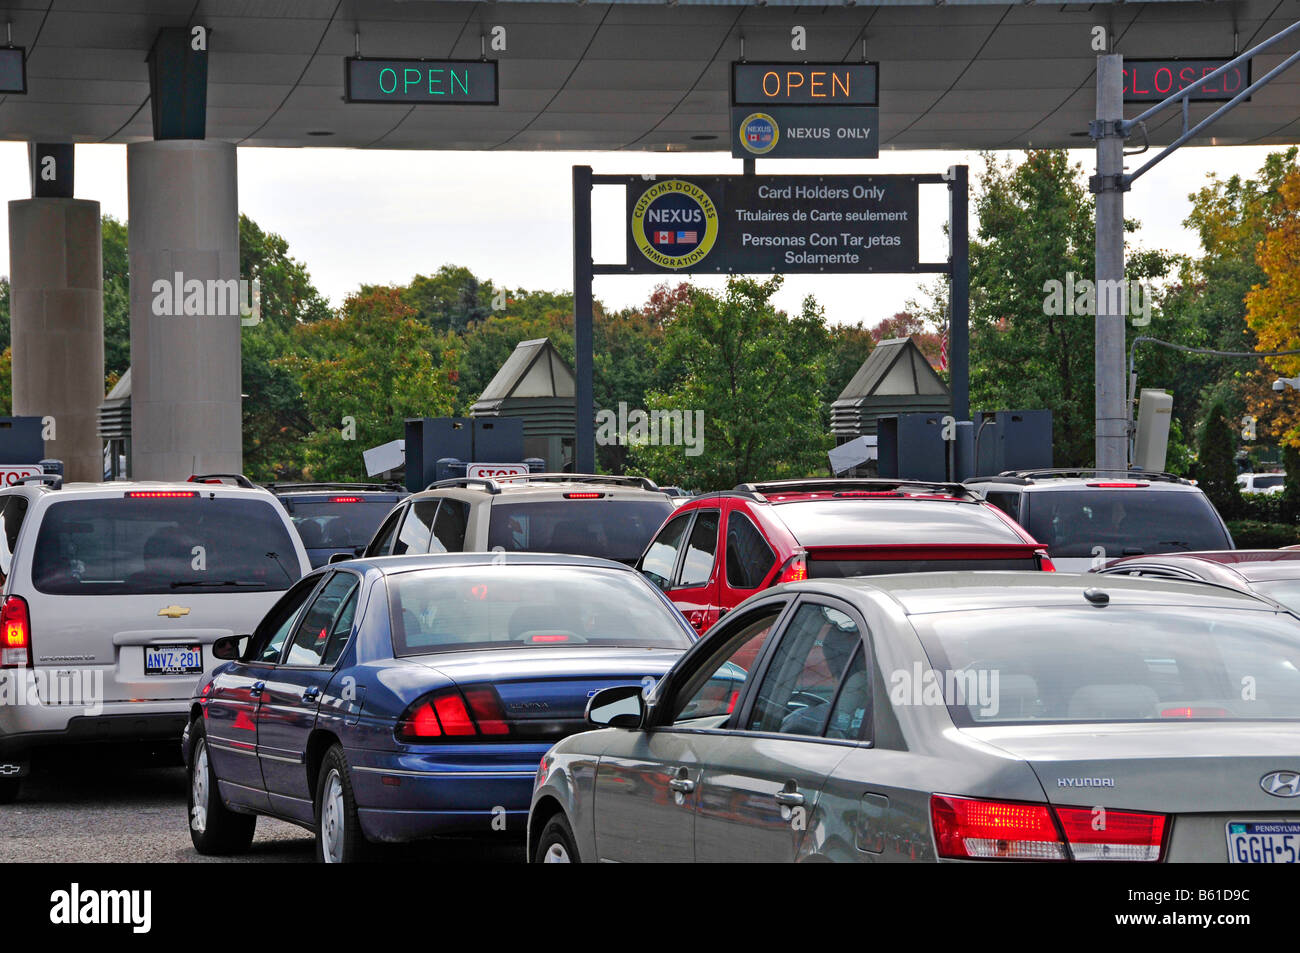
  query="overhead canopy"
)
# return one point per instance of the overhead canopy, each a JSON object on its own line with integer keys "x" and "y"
{"x": 623, "y": 75}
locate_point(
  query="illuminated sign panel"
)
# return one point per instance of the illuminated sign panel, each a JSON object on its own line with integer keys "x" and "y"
{"x": 1150, "y": 81}
{"x": 805, "y": 84}
{"x": 416, "y": 82}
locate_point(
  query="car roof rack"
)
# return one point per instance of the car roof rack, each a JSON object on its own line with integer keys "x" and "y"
{"x": 492, "y": 486}
{"x": 833, "y": 484}
{"x": 1155, "y": 476}
{"x": 644, "y": 483}
{"x": 53, "y": 480}
{"x": 238, "y": 478}
{"x": 330, "y": 485}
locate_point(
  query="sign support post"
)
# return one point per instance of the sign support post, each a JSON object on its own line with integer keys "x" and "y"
{"x": 584, "y": 444}
{"x": 1111, "y": 297}
{"x": 959, "y": 289}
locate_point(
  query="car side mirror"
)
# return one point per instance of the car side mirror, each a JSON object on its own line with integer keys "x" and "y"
{"x": 229, "y": 648}
{"x": 622, "y": 706}
{"x": 339, "y": 558}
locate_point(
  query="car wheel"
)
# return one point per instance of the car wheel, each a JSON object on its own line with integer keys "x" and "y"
{"x": 214, "y": 828}
{"x": 556, "y": 845}
{"x": 338, "y": 831}
{"x": 9, "y": 790}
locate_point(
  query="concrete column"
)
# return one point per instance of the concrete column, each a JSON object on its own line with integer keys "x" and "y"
{"x": 185, "y": 367}
{"x": 56, "y": 309}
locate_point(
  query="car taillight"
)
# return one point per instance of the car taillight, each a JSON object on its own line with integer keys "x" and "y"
{"x": 994, "y": 830}
{"x": 1045, "y": 562}
{"x": 583, "y": 496}
{"x": 160, "y": 494}
{"x": 975, "y": 829}
{"x": 1098, "y": 834}
{"x": 345, "y": 499}
{"x": 15, "y": 634}
{"x": 1120, "y": 486}
{"x": 794, "y": 570}
{"x": 450, "y": 714}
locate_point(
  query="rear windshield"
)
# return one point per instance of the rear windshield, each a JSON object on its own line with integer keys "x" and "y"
{"x": 1121, "y": 663}
{"x": 511, "y": 607}
{"x": 1268, "y": 482}
{"x": 1074, "y": 523}
{"x": 873, "y": 522}
{"x": 611, "y": 528}
{"x": 333, "y": 525}
{"x": 125, "y": 546}
{"x": 843, "y": 568}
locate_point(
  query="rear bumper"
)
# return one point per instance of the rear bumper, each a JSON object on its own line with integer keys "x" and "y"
{"x": 404, "y": 796}
{"x": 124, "y": 723}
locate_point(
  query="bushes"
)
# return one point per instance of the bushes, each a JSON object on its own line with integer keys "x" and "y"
{"x": 1257, "y": 534}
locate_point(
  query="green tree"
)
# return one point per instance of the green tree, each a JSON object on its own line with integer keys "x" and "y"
{"x": 451, "y": 299}
{"x": 757, "y": 374}
{"x": 117, "y": 299}
{"x": 1035, "y": 233}
{"x": 1216, "y": 469}
{"x": 361, "y": 374}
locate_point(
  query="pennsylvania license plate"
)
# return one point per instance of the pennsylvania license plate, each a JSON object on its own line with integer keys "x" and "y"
{"x": 1264, "y": 842}
{"x": 173, "y": 660}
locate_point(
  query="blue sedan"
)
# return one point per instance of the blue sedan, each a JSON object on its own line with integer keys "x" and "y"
{"x": 407, "y": 697}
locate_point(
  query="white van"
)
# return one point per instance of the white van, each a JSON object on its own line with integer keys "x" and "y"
{"x": 113, "y": 594}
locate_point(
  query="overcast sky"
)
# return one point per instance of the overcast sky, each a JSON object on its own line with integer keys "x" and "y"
{"x": 355, "y": 216}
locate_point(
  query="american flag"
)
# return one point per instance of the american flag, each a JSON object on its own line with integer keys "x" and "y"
{"x": 943, "y": 349}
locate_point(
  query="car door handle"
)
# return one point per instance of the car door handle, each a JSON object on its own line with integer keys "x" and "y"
{"x": 682, "y": 785}
{"x": 311, "y": 694}
{"x": 257, "y": 688}
{"x": 789, "y": 798}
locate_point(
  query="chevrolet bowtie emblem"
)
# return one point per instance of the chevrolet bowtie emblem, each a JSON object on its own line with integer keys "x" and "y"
{"x": 174, "y": 612}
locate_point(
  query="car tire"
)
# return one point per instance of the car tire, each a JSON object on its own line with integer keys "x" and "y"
{"x": 9, "y": 790}
{"x": 215, "y": 830}
{"x": 338, "y": 830}
{"x": 556, "y": 845}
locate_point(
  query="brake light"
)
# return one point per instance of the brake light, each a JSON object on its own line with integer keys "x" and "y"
{"x": 964, "y": 827}
{"x": 583, "y": 496}
{"x": 1045, "y": 562}
{"x": 1194, "y": 713}
{"x": 869, "y": 493}
{"x": 1123, "y": 486}
{"x": 450, "y": 714}
{"x": 345, "y": 499}
{"x": 160, "y": 494}
{"x": 548, "y": 638}
{"x": 15, "y": 634}
{"x": 1098, "y": 834}
{"x": 795, "y": 569}
{"x": 485, "y": 705}
{"x": 453, "y": 715}
{"x": 987, "y": 830}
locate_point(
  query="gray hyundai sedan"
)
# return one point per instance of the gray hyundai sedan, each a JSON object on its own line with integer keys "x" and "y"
{"x": 948, "y": 716}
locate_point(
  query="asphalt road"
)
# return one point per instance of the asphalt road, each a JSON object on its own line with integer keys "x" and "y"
{"x": 97, "y": 811}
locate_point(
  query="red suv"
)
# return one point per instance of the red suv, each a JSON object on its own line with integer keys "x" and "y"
{"x": 720, "y": 548}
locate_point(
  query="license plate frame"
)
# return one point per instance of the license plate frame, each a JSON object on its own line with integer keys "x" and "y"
{"x": 1241, "y": 831}
{"x": 155, "y": 669}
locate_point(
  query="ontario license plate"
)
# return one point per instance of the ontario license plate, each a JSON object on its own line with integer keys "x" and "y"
{"x": 173, "y": 660}
{"x": 1264, "y": 842}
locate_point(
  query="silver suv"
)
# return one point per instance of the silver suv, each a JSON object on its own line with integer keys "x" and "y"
{"x": 580, "y": 514}
{"x": 1086, "y": 517}
{"x": 113, "y": 594}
